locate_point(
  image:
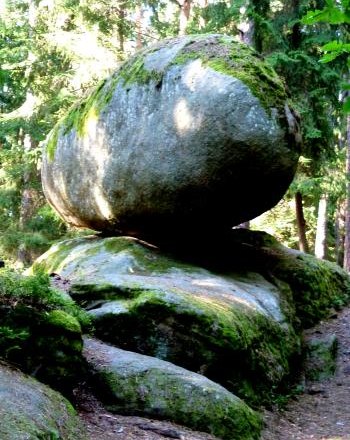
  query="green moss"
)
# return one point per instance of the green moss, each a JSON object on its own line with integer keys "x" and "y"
{"x": 175, "y": 398}
{"x": 81, "y": 115}
{"x": 134, "y": 72}
{"x": 31, "y": 410}
{"x": 63, "y": 321}
{"x": 226, "y": 56}
{"x": 40, "y": 329}
{"x": 52, "y": 143}
{"x": 56, "y": 255}
{"x": 317, "y": 286}
{"x": 241, "y": 62}
{"x": 229, "y": 344}
{"x": 148, "y": 259}
{"x": 321, "y": 356}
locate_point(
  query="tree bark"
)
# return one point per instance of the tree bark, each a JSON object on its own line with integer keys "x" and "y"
{"x": 121, "y": 25}
{"x": 301, "y": 223}
{"x": 202, "y": 4}
{"x": 321, "y": 230}
{"x": 29, "y": 199}
{"x": 347, "y": 205}
{"x": 138, "y": 25}
{"x": 339, "y": 235}
{"x": 185, "y": 12}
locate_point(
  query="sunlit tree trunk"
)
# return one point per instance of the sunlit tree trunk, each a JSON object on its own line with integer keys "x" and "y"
{"x": 185, "y": 13}
{"x": 321, "y": 230}
{"x": 121, "y": 25}
{"x": 29, "y": 200}
{"x": 347, "y": 206}
{"x": 339, "y": 235}
{"x": 27, "y": 196}
{"x": 138, "y": 25}
{"x": 202, "y": 4}
{"x": 301, "y": 223}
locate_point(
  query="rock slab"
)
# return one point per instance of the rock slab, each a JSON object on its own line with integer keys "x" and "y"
{"x": 235, "y": 328}
{"x": 30, "y": 410}
{"x": 131, "y": 383}
{"x": 171, "y": 144}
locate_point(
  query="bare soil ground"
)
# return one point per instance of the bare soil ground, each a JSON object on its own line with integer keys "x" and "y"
{"x": 322, "y": 412}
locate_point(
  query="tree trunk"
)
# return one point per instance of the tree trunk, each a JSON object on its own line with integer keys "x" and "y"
{"x": 121, "y": 25}
{"x": 28, "y": 195}
{"x": 138, "y": 25}
{"x": 185, "y": 12}
{"x": 321, "y": 230}
{"x": 347, "y": 205}
{"x": 202, "y": 4}
{"x": 339, "y": 235}
{"x": 301, "y": 223}
{"x": 29, "y": 199}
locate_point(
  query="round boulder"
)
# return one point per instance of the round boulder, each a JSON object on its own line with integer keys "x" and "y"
{"x": 193, "y": 134}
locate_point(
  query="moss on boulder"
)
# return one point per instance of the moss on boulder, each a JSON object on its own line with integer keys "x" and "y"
{"x": 320, "y": 356}
{"x": 154, "y": 149}
{"x": 30, "y": 410}
{"x": 236, "y": 329}
{"x": 317, "y": 285}
{"x": 131, "y": 383}
{"x": 40, "y": 330}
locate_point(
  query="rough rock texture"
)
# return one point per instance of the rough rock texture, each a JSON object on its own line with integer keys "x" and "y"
{"x": 131, "y": 383}
{"x": 171, "y": 143}
{"x": 321, "y": 353}
{"x": 236, "y": 329}
{"x": 30, "y": 410}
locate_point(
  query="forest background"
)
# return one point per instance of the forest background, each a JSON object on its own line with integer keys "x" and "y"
{"x": 54, "y": 52}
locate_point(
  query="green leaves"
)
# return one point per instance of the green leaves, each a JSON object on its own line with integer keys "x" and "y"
{"x": 332, "y": 13}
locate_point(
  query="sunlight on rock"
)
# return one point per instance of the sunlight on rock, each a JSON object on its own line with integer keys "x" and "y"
{"x": 102, "y": 203}
{"x": 194, "y": 71}
{"x": 207, "y": 283}
{"x": 183, "y": 119}
{"x": 90, "y": 122}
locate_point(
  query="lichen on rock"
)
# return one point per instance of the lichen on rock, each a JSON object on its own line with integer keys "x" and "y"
{"x": 131, "y": 383}
{"x": 31, "y": 410}
{"x": 234, "y": 328}
{"x": 155, "y": 149}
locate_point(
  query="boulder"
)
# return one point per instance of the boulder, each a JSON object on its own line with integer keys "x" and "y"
{"x": 235, "y": 328}
{"x": 321, "y": 356}
{"x": 31, "y": 410}
{"x": 38, "y": 330}
{"x": 130, "y": 383}
{"x": 170, "y": 145}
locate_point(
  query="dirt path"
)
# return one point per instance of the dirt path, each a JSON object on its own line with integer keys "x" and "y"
{"x": 323, "y": 411}
{"x": 103, "y": 425}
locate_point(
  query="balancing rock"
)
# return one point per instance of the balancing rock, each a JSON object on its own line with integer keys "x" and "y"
{"x": 191, "y": 135}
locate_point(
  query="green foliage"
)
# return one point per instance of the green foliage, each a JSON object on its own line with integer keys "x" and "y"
{"x": 335, "y": 13}
{"x": 35, "y": 292}
{"x": 11, "y": 339}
